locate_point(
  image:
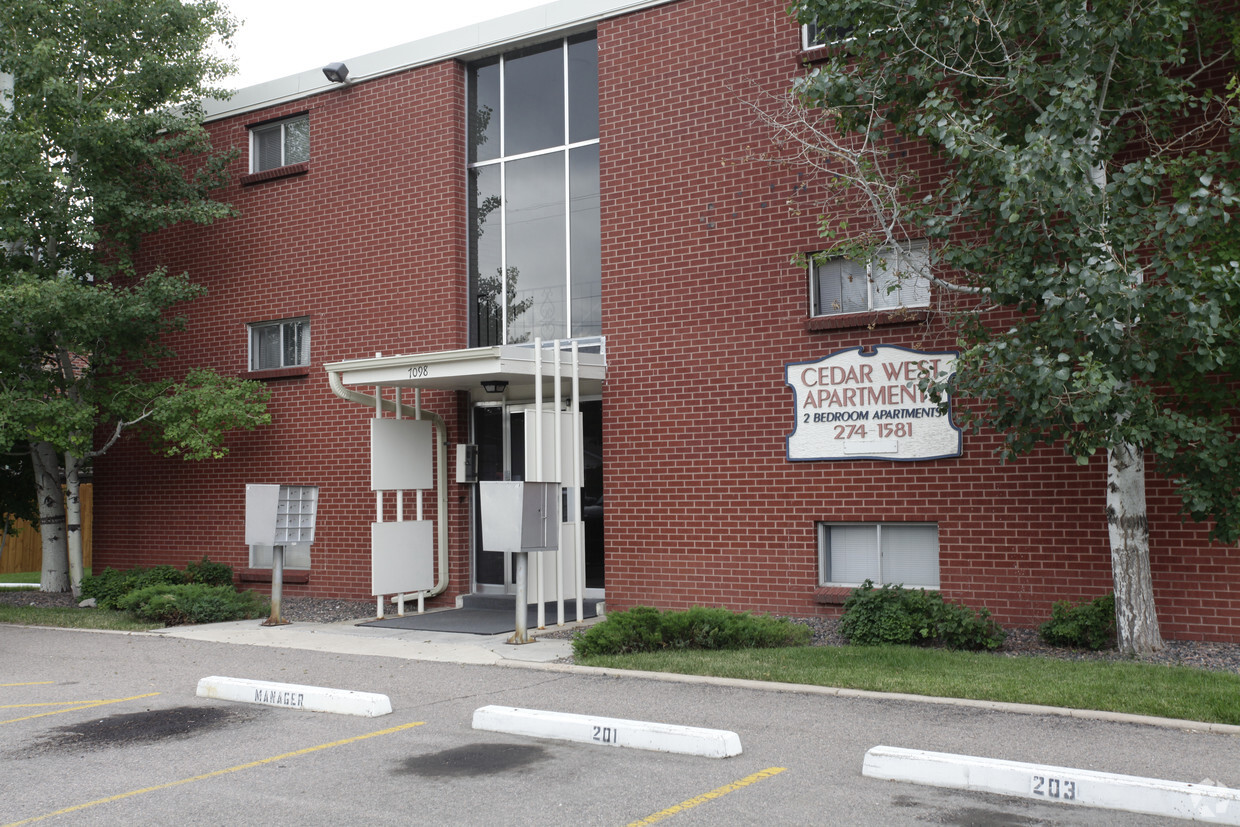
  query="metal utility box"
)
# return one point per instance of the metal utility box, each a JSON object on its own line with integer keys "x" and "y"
{"x": 466, "y": 463}
{"x": 280, "y": 515}
{"x": 520, "y": 516}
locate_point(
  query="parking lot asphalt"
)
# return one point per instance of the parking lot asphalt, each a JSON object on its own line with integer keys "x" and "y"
{"x": 107, "y": 727}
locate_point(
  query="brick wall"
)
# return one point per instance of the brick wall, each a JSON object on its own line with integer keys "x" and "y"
{"x": 368, "y": 244}
{"x": 702, "y": 309}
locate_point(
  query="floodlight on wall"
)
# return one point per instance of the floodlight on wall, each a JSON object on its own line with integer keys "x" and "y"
{"x": 495, "y": 385}
{"x": 336, "y": 72}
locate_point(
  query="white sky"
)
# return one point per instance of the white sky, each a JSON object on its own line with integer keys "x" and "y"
{"x": 279, "y": 38}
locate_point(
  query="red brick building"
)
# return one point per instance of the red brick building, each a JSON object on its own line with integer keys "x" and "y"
{"x": 594, "y": 169}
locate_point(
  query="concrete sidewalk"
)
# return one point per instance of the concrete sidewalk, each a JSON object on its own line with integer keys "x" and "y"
{"x": 348, "y": 638}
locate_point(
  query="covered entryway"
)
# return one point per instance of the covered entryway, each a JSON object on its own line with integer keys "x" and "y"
{"x": 499, "y": 432}
{"x": 510, "y": 388}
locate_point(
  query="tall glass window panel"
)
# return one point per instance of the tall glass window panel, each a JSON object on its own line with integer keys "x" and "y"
{"x": 534, "y": 99}
{"x": 534, "y": 207}
{"x": 536, "y": 265}
{"x": 582, "y": 88}
{"x": 486, "y": 252}
{"x": 484, "y": 111}
{"x": 585, "y": 236}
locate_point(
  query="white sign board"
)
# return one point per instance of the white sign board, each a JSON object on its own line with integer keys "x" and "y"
{"x": 402, "y": 557}
{"x": 855, "y": 404}
{"x": 400, "y": 454}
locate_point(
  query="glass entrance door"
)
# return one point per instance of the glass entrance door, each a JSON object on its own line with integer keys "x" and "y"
{"x": 499, "y": 433}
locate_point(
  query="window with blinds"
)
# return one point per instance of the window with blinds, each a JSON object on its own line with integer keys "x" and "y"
{"x": 896, "y": 553}
{"x": 280, "y": 144}
{"x": 895, "y": 277}
{"x": 282, "y": 344}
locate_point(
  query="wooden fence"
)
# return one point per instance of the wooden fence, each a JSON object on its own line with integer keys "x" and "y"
{"x": 24, "y": 552}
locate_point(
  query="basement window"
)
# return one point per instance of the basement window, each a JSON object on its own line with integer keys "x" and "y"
{"x": 896, "y": 553}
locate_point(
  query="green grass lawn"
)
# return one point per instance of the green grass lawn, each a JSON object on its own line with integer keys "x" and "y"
{"x": 73, "y": 618}
{"x": 64, "y": 616}
{"x": 1137, "y": 688}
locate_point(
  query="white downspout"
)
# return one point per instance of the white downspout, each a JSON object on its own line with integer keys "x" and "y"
{"x": 441, "y": 461}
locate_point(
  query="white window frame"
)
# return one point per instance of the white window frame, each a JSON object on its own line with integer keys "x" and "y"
{"x": 284, "y": 326}
{"x": 824, "y": 551}
{"x": 912, "y": 291}
{"x": 814, "y": 38}
{"x": 282, "y": 127}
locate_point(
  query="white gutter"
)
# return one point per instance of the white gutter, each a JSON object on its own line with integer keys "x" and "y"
{"x": 441, "y": 459}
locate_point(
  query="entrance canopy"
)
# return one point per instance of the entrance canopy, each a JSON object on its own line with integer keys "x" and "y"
{"x": 466, "y": 370}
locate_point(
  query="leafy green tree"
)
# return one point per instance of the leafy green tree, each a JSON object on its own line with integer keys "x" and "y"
{"x": 1074, "y": 165}
{"x": 101, "y": 143}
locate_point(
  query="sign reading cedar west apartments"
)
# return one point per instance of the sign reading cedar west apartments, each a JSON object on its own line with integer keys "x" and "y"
{"x": 855, "y": 404}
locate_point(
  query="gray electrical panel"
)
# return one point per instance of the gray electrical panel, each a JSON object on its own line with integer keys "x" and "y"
{"x": 520, "y": 516}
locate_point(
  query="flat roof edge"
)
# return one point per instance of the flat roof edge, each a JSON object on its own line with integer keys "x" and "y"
{"x": 473, "y": 40}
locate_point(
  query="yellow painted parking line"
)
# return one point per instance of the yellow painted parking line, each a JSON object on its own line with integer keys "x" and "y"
{"x": 72, "y": 703}
{"x": 710, "y": 796}
{"x": 28, "y": 683}
{"x": 215, "y": 773}
{"x": 80, "y": 705}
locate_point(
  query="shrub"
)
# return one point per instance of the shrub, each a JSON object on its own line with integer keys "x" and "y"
{"x": 1087, "y": 626}
{"x": 109, "y": 587}
{"x": 208, "y": 573}
{"x": 106, "y": 588}
{"x": 894, "y": 614}
{"x": 177, "y": 604}
{"x": 636, "y": 630}
{"x": 646, "y": 629}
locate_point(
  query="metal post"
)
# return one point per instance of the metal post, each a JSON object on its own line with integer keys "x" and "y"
{"x": 521, "y": 635}
{"x": 277, "y": 586}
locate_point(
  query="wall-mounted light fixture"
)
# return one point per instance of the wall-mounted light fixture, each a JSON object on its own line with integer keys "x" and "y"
{"x": 495, "y": 385}
{"x": 336, "y": 72}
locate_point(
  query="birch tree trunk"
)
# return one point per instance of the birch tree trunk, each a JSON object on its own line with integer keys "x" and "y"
{"x": 73, "y": 514}
{"x": 55, "y": 570}
{"x": 1136, "y": 621}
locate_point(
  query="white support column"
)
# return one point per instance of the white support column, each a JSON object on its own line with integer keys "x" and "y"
{"x": 378, "y": 494}
{"x": 559, "y": 473}
{"x": 538, "y": 465}
{"x": 578, "y": 485}
{"x": 399, "y": 512}
{"x": 417, "y": 413}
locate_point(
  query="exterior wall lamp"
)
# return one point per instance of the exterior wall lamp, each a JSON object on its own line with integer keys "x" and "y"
{"x": 336, "y": 72}
{"x": 495, "y": 385}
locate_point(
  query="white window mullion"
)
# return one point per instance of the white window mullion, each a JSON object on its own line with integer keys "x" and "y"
{"x": 503, "y": 206}
{"x": 568, "y": 204}
{"x": 878, "y": 550}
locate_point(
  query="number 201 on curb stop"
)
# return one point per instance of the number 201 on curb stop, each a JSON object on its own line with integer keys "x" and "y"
{"x": 605, "y": 735}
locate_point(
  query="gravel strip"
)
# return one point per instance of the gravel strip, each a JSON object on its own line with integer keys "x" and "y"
{"x": 1220, "y": 657}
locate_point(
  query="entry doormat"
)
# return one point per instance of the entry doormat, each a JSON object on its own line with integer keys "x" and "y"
{"x": 487, "y": 620}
